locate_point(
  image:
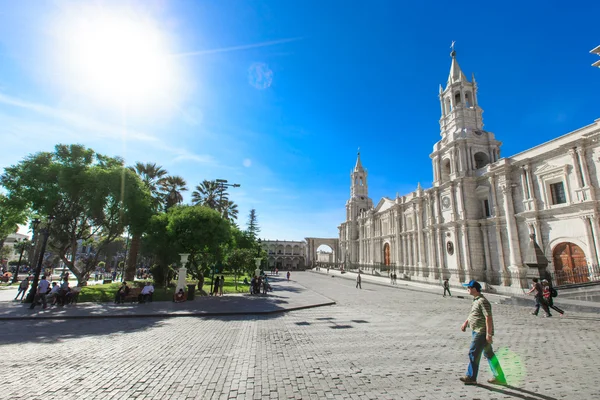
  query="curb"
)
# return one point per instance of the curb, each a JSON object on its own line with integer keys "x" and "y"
{"x": 171, "y": 315}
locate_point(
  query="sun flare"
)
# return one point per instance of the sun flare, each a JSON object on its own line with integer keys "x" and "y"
{"x": 117, "y": 57}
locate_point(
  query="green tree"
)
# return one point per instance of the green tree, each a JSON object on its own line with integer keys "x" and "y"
{"x": 197, "y": 229}
{"x": 230, "y": 211}
{"x": 241, "y": 261}
{"x": 253, "y": 228}
{"x": 152, "y": 176}
{"x": 172, "y": 186}
{"x": 209, "y": 194}
{"x": 89, "y": 194}
{"x": 12, "y": 213}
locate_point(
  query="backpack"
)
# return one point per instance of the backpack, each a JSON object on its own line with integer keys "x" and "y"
{"x": 553, "y": 292}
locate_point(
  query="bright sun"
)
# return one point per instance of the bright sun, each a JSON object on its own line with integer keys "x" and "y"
{"x": 116, "y": 57}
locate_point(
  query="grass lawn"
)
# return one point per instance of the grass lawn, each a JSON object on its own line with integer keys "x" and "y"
{"x": 106, "y": 293}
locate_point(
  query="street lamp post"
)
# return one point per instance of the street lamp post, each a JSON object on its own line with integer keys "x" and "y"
{"x": 222, "y": 183}
{"x": 23, "y": 244}
{"x": 38, "y": 269}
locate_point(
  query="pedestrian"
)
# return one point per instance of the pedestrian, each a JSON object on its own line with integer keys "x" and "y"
{"x": 221, "y": 284}
{"x": 288, "y": 276}
{"x": 549, "y": 294}
{"x": 42, "y": 290}
{"x": 216, "y": 286}
{"x": 23, "y": 286}
{"x": 200, "y": 281}
{"x": 539, "y": 298}
{"x": 391, "y": 278}
{"x": 481, "y": 322}
{"x": 122, "y": 293}
{"x": 447, "y": 288}
{"x": 358, "y": 281}
{"x": 395, "y": 279}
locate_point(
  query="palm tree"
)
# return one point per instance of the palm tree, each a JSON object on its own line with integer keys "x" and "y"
{"x": 172, "y": 186}
{"x": 210, "y": 194}
{"x": 230, "y": 211}
{"x": 151, "y": 174}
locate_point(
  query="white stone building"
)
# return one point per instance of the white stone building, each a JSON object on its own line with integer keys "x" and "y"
{"x": 476, "y": 220}
{"x": 285, "y": 254}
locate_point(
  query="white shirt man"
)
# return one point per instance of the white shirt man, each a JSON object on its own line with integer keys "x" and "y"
{"x": 148, "y": 289}
{"x": 146, "y": 294}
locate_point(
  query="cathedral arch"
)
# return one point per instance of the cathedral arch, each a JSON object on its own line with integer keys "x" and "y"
{"x": 386, "y": 254}
{"x": 570, "y": 264}
{"x": 481, "y": 159}
{"x": 468, "y": 99}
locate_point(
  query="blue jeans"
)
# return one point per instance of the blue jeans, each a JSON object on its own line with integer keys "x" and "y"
{"x": 480, "y": 345}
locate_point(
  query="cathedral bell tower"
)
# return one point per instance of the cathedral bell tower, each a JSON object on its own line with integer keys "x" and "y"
{"x": 464, "y": 146}
{"x": 359, "y": 197}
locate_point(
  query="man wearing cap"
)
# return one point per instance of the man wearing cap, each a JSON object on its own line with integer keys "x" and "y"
{"x": 480, "y": 321}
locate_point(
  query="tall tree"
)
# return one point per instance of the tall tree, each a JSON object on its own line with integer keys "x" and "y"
{"x": 253, "y": 228}
{"x": 12, "y": 213}
{"x": 172, "y": 186}
{"x": 210, "y": 194}
{"x": 152, "y": 175}
{"x": 89, "y": 194}
{"x": 230, "y": 211}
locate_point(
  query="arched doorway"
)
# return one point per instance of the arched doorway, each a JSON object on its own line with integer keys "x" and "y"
{"x": 570, "y": 265}
{"x": 386, "y": 254}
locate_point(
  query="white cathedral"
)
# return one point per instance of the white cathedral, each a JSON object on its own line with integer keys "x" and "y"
{"x": 478, "y": 219}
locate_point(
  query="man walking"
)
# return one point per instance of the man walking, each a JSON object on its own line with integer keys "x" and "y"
{"x": 481, "y": 322}
{"x": 23, "y": 286}
{"x": 447, "y": 288}
{"x": 42, "y": 289}
{"x": 358, "y": 280}
{"x": 536, "y": 287}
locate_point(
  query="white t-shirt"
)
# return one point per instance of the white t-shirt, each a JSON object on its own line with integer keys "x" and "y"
{"x": 43, "y": 286}
{"x": 148, "y": 289}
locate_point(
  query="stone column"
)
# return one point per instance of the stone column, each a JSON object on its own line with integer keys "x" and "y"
{"x": 514, "y": 250}
{"x": 516, "y": 266}
{"x": 587, "y": 221}
{"x": 576, "y": 167}
{"x": 486, "y": 251}
{"x": 466, "y": 251}
{"x": 420, "y": 244}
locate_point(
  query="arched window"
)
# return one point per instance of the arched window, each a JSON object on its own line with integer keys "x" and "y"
{"x": 446, "y": 169}
{"x": 481, "y": 160}
{"x": 457, "y": 98}
{"x": 448, "y": 105}
{"x": 468, "y": 99}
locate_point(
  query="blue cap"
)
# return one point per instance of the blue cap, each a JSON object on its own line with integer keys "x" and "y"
{"x": 473, "y": 284}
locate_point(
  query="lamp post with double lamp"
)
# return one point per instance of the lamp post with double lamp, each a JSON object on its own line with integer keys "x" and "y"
{"x": 222, "y": 183}
{"x": 38, "y": 269}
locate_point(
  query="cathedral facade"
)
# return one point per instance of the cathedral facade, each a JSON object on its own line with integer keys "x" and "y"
{"x": 483, "y": 211}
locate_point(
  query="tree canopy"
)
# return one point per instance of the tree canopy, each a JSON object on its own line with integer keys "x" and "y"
{"x": 88, "y": 194}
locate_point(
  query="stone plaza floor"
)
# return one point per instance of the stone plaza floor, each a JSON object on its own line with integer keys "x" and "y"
{"x": 378, "y": 342}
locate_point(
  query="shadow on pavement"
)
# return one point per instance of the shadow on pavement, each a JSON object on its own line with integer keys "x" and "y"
{"x": 524, "y": 394}
{"x": 56, "y": 331}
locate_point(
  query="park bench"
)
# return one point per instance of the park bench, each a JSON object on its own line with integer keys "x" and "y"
{"x": 133, "y": 295}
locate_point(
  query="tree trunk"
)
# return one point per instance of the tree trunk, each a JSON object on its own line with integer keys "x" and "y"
{"x": 134, "y": 249}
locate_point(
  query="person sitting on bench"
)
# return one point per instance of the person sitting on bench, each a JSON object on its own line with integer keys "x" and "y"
{"x": 122, "y": 293}
{"x": 146, "y": 294}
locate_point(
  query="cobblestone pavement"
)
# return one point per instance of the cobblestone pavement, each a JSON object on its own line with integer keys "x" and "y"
{"x": 376, "y": 343}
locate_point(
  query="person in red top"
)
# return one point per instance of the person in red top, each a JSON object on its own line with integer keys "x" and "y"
{"x": 548, "y": 297}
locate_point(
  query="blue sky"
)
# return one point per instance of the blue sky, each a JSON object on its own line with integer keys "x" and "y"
{"x": 278, "y": 95}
